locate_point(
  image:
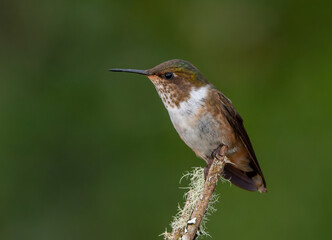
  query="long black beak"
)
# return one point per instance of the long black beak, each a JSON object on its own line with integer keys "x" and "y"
{"x": 143, "y": 72}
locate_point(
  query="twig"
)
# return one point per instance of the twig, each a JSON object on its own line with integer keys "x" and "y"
{"x": 194, "y": 221}
{"x": 212, "y": 178}
{"x": 178, "y": 232}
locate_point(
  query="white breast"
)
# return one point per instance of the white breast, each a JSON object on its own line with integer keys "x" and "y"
{"x": 195, "y": 124}
{"x": 184, "y": 114}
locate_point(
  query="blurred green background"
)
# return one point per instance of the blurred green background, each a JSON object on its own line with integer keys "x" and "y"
{"x": 89, "y": 154}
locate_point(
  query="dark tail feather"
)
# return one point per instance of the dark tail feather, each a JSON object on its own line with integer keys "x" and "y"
{"x": 239, "y": 178}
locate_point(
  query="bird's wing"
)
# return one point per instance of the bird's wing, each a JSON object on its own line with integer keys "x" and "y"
{"x": 236, "y": 121}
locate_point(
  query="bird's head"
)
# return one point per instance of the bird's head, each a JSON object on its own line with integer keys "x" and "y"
{"x": 173, "y": 79}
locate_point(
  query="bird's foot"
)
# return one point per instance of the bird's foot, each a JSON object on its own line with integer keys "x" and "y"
{"x": 218, "y": 153}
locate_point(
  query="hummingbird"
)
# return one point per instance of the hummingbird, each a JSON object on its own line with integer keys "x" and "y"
{"x": 205, "y": 120}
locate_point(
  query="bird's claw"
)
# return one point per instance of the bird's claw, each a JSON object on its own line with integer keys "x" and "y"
{"x": 218, "y": 153}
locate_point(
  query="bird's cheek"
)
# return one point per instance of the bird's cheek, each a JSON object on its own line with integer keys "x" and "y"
{"x": 154, "y": 78}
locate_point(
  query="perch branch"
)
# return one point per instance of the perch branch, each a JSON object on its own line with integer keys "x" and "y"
{"x": 194, "y": 220}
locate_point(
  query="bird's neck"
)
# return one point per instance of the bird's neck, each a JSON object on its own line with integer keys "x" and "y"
{"x": 177, "y": 100}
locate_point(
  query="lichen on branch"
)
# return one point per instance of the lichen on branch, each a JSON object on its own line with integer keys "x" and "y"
{"x": 200, "y": 199}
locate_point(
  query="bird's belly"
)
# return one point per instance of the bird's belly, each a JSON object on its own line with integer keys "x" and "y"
{"x": 200, "y": 133}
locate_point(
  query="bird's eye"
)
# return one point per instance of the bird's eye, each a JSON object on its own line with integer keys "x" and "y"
{"x": 168, "y": 75}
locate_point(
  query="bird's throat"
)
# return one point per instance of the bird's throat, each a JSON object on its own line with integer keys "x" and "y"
{"x": 173, "y": 93}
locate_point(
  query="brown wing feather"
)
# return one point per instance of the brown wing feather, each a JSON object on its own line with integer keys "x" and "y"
{"x": 236, "y": 121}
